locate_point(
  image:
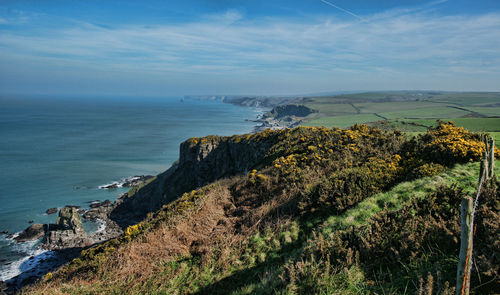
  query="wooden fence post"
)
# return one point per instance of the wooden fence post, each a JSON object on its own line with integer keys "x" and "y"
{"x": 465, "y": 256}
{"x": 483, "y": 168}
{"x": 486, "y": 153}
{"x": 491, "y": 158}
{"x": 467, "y": 218}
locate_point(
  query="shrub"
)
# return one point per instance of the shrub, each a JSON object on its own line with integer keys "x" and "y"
{"x": 447, "y": 144}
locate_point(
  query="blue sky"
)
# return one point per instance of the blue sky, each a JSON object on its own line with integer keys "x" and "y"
{"x": 201, "y": 47}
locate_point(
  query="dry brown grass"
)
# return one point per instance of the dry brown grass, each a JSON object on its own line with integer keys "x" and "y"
{"x": 195, "y": 232}
{"x": 221, "y": 221}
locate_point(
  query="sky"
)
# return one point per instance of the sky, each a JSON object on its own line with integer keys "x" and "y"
{"x": 247, "y": 47}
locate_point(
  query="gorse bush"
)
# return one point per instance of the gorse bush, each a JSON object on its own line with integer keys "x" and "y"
{"x": 447, "y": 144}
{"x": 334, "y": 169}
{"x": 423, "y": 237}
{"x": 343, "y": 189}
{"x": 280, "y": 227}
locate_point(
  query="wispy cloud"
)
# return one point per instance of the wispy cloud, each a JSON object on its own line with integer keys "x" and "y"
{"x": 342, "y": 9}
{"x": 229, "y": 17}
{"x": 382, "y": 49}
{"x": 399, "y": 11}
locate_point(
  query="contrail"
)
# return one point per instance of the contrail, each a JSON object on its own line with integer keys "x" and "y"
{"x": 340, "y": 8}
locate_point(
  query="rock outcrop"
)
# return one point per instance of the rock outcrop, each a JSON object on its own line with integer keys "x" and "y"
{"x": 136, "y": 180}
{"x": 68, "y": 231}
{"x": 281, "y": 111}
{"x": 201, "y": 161}
{"x": 51, "y": 211}
{"x": 132, "y": 181}
{"x": 33, "y": 232}
{"x": 69, "y": 219}
{"x": 100, "y": 204}
{"x": 99, "y": 210}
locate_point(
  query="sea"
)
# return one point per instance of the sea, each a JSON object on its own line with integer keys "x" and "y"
{"x": 57, "y": 151}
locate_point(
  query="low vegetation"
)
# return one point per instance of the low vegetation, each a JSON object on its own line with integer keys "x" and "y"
{"x": 325, "y": 211}
{"x": 407, "y": 111}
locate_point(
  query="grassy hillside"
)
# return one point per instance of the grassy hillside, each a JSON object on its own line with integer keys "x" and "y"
{"x": 403, "y": 107}
{"x": 325, "y": 211}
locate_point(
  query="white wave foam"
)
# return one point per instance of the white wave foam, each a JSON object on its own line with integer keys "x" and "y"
{"x": 120, "y": 183}
{"x": 11, "y": 237}
{"x": 25, "y": 265}
{"x": 102, "y": 225}
{"x": 113, "y": 184}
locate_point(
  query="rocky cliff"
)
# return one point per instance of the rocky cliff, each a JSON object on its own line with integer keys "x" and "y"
{"x": 281, "y": 111}
{"x": 201, "y": 161}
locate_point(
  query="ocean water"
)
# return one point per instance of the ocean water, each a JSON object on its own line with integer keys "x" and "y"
{"x": 57, "y": 152}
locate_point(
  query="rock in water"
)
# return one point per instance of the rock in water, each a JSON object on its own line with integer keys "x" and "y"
{"x": 68, "y": 231}
{"x": 33, "y": 232}
{"x": 136, "y": 180}
{"x": 110, "y": 186}
{"x": 51, "y": 211}
{"x": 69, "y": 218}
{"x": 100, "y": 204}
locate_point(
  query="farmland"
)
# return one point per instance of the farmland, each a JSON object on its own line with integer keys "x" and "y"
{"x": 409, "y": 111}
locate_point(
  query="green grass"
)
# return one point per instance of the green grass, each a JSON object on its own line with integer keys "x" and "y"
{"x": 334, "y": 109}
{"x": 458, "y": 98}
{"x": 465, "y": 175}
{"x": 384, "y": 107}
{"x": 268, "y": 257}
{"x": 471, "y": 124}
{"x": 367, "y": 96}
{"x": 487, "y": 111}
{"x": 422, "y": 107}
{"x": 496, "y": 137}
{"x": 343, "y": 121}
{"x": 434, "y": 112}
{"x": 135, "y": 189}
{"x": 477, "y": 124}
{"x": 468, "y": 98}
{"x": 413, "y": 133}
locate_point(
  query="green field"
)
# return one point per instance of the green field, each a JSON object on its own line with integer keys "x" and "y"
{"x": 337, "y": 109}
{"x": 488, "y": 111}
{"x": 496, "y": 137}
{"x": 410, "y": 111}
{"x": 467, "y": 98}
{"x": 343, "y": 121}
{"x": 385, "y": 107}
{"x": 431, "y": 113}
{"x": 472, "y": 124}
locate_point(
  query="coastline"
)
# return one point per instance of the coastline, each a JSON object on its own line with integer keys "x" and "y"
{"x": 38, "y": 262}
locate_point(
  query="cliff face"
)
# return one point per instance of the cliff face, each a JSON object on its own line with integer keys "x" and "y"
{"x": 326, "y": 205}
{"x": 201, "y": 161}
{"x": 291, "y": 110}
{"x": 213, "y": 157}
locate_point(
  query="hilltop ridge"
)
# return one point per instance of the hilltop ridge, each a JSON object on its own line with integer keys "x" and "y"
{"x": 298, "y": 211}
